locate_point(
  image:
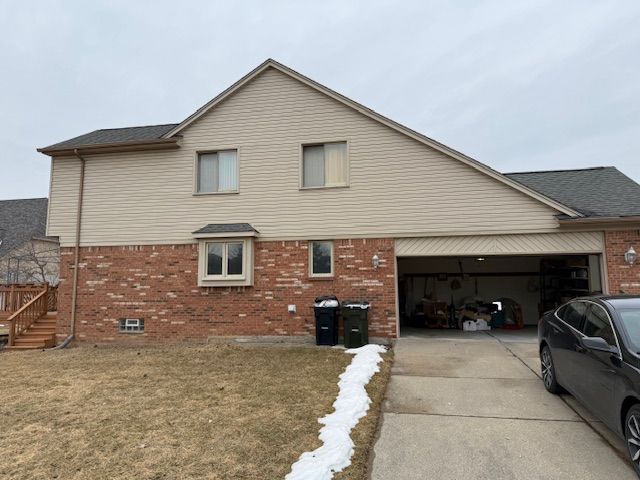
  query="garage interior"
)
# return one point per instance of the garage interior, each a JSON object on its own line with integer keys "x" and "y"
{"x": 503, "y": 291}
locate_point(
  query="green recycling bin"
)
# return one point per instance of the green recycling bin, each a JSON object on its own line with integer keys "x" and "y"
{"x": 356, "y": 323}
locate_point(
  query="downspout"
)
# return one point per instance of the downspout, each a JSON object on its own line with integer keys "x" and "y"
{"x": 76, "y": 257}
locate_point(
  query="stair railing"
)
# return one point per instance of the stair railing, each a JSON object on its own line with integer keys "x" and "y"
{"x": 24, "y": 317}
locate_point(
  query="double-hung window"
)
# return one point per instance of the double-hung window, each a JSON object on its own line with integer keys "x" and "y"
{"x": 324, "y": 165}
{"x": 217, "y": 172}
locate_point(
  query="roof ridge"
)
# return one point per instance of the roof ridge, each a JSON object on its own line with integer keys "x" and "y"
{"x": 560, "y": 170}
{"x": 23, "y": 199}
{"x": 137, "y": 126}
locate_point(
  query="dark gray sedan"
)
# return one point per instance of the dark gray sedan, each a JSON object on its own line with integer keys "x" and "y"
{"x": 590, "y": 347}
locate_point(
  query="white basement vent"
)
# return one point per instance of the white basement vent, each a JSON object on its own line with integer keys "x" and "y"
{"x": 131, "y": 325}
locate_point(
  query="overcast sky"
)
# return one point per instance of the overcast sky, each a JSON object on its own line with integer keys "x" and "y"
{"x": 518, "y": 85}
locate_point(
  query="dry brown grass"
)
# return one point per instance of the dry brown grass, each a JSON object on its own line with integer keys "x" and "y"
{"x": 364, "y": 434}
{"x": 215, "y": 411}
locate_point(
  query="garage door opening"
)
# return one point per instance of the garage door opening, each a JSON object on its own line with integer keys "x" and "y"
{"x": 508, "y": 291}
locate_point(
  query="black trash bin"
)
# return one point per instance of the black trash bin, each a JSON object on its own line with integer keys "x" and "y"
{"x": 356, "y": 323}
{"x": 326, "y": 310}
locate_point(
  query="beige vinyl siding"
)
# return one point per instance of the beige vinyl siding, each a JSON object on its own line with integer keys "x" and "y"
{"x": 529, "y": 244}
{"x": 63, "y": 199}
{"x": 397, "y": 186}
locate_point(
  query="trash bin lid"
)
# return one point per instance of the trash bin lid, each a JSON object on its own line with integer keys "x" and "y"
{"x": 363, "y": 304}
{"x": 325, "y": 297}
{"x": 326, "y": 301}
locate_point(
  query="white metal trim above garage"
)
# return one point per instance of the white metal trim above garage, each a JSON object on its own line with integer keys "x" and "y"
{"x": 525, "y": 244}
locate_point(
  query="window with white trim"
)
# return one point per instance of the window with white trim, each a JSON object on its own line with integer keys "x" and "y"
{"x": 217, "y": 172}
{"x": 324, "y": 165}
{"x": 321, "y": 259}
{"x": 131, "y": 325}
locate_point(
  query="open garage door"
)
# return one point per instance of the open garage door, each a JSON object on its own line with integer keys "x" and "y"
{"x": 443, "y": 281}
{"x": 529, "y": 244}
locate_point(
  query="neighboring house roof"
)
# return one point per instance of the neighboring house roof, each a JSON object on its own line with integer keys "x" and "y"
{"x": 594, "y": 192}
{"x": 22, "y": 221}
{"x": 226, "y": 228}
{"x": 169, "y": 136}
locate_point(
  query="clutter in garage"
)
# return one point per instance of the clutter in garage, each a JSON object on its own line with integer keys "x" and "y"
{"x": 482, "y": 293}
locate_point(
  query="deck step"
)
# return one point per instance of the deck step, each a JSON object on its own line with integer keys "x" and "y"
{"x": 28, "y": 340}
{"x": 41, "y": 326}
{"x": 34, "y": 342}
{"x": 25, "y": 347}
{"x": 34, "y": 335}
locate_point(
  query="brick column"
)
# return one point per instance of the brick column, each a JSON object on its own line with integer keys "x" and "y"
{"x": 622, "y": 276}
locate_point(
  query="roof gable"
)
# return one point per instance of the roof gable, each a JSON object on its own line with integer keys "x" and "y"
{"x": 482, "y": 168}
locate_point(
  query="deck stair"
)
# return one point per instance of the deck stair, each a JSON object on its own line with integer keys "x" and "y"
{"x": 41, "y": 334}
{"x": 33, "y": 325}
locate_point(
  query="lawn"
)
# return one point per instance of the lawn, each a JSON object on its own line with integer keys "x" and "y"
{"x": 214, "y": 411}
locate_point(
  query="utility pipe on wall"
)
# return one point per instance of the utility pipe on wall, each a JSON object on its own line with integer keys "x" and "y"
{"x": 76, "y": 255}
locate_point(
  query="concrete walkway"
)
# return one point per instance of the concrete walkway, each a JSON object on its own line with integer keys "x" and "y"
{"x": 469, "y": 406}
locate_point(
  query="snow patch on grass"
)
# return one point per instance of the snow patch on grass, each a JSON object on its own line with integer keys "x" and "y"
{"x": 351, "y": 405}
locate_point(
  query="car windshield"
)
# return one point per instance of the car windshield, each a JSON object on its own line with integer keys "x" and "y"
{"x": 631, "y": 322}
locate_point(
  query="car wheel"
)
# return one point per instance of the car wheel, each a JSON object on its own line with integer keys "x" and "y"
{"x": 549, "y": 371}
{"x": 632, "y": 435}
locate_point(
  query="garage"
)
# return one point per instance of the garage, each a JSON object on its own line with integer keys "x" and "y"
{"x": 494, "y": 281}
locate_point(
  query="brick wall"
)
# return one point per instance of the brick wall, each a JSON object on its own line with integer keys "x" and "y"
{"x": 159, "y": 284}
{"x": 622, "y": 276}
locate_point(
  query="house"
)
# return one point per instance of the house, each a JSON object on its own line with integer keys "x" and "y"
{"x": 279, "y": 190}
{"x": 27, "y": 254}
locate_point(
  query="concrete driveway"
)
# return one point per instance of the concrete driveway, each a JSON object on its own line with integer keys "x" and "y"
{"x": 469, "y": 406}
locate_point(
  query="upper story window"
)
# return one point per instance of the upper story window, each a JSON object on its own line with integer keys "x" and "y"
{"x": 217, "y": 172}
{"x": 324, "y": 165}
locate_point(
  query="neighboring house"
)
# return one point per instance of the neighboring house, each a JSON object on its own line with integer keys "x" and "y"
{"x": 27, "y": 254}
{"x": 280, "y": 190}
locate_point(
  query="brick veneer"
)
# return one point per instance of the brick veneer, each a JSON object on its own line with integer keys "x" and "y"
{"x": 622, "y": 276}
{"x": 159, "y": 284}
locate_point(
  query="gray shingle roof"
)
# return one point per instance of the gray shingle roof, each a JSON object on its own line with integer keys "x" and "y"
{"x": 226, "y": 228}
{"x": 115, "y": 135}
{"x": 20, "y": 221}
{"x": 594, "y": 192}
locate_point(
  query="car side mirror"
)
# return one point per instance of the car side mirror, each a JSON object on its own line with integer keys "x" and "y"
{"x": 599, "y": 344}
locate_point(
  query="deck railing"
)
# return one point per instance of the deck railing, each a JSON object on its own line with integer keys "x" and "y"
{"x": 52, "y": 299}
{"x": 14, "y": 296}
{"x": 26, "y": 315}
